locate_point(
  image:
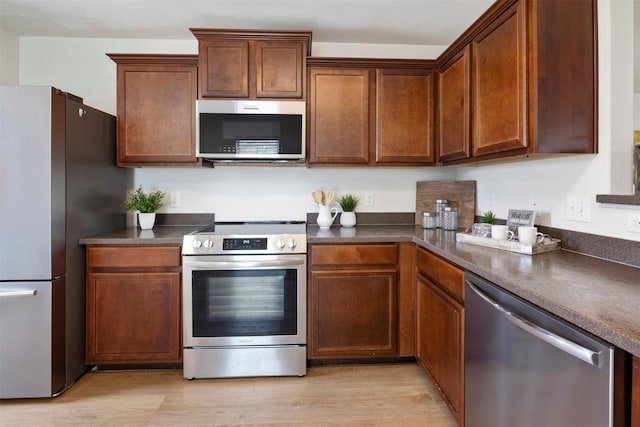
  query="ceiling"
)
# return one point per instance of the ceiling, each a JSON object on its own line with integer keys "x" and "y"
{"x": 419, "y": 22}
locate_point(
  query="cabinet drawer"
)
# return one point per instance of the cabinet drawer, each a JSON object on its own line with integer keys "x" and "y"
{"x": 133, "y": 256}
{"x": 353, "y": 255}
{"x": 446, "y": 275}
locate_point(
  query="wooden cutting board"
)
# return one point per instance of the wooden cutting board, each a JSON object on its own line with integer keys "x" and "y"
{"x": 460, "y": 194}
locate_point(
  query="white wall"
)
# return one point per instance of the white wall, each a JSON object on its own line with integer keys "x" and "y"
{"x": 236, "y": 193}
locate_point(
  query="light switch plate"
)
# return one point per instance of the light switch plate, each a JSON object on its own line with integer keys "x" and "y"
{"x": 633, "y": 222}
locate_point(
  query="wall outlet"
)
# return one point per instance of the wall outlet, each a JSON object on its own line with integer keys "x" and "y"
{"x": 534, "y": 202}
{"x": 174, "y": 199}
{"x": 492, "y": 202}
{"x": 578, "y": 209}
{"x": 369, "y": 198}
{"x": 633, "y": 222}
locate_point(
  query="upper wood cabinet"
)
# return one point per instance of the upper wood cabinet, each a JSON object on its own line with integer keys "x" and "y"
{"x": 371, "y": 112}
{"x": 156, "y": 97}
{"x": 532, "y": 84}
{"x": 338, "y": 120}
{"x": 404, "y": 116}
{"x": 454, "y": 109}
{"x": 252, "y": 64}
{"x": 499, "y": 84}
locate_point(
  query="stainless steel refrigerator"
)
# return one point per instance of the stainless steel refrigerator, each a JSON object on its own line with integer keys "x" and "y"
{"x": 58, "y": 182}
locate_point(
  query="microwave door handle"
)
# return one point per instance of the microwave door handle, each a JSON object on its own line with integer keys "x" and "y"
{"x": 563, "y": 344}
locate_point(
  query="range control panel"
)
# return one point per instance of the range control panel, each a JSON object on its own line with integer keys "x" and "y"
{"x": 203, "y": 244}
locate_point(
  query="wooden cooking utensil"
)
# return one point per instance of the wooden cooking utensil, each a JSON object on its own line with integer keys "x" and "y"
{"x": 317, "y": 196}
{"x": 330, "y": 196}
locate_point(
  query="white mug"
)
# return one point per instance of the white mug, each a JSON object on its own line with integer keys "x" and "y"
{"x": 501, "y": 232}
{"x": 529, "y": 235}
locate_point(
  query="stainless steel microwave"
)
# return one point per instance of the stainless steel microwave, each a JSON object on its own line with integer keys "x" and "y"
{"x": 250, "y": 130}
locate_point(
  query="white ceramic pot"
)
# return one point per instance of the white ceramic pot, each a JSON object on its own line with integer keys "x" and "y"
{"x": 146, "y": 220}
{"x": 348, "y": 219}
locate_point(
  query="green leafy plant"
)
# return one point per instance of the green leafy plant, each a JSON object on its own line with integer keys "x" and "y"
{"x": 348, "y": 202}
{"x": 138, "y": 200}
{"x": 488, "y": 217}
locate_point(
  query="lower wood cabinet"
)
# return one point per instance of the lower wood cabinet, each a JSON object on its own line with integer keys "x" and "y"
{"x": 440, "y": 327}
{"x": 134, "y": 306}
{"x": 354, "y": 302}
{"x": 635, "y": 392}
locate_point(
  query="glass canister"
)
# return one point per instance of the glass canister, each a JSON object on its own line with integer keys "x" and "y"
{"x": 450, "y": 218}
{"x": 429, "y": 219}
{"x": 439, "y": 205}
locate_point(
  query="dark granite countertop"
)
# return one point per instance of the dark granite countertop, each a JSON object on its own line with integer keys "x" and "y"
{"x": 158, "y": 235}
{"x": 599, "y": 296}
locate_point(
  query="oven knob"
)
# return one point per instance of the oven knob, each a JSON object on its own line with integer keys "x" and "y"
{"x": 280, "y": 243}
{"x": 197, "y": 243}
{"x": 208, "y": 243}
{"x": 292, "y": 244}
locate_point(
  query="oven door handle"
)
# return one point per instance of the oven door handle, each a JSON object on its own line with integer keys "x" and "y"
{"x": 225, "y": 265}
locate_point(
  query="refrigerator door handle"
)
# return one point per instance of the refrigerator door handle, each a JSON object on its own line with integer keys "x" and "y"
{"x": 563, "y": 344}
{"x": 25, "y": 293}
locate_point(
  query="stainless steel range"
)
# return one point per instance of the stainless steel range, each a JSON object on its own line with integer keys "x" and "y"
{"x": 245, "y": 300}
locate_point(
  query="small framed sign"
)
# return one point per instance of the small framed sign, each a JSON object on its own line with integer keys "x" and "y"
{"x": 519, "y": 218}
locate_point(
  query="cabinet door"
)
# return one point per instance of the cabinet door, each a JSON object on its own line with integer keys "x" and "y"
{"x": 156, "y": 113}
{"x": 338, "y": 116}
{"x": 404, "y": 116}
{"x": 280, "y": 71}
{"x": 439, "y": 343}
{"x": 499, "y": 84}
{"x": 454, "y": 96}
{"x": 224, "y": 65}
{"x": 133, "y": 318}
{"x": 353, "y": 314}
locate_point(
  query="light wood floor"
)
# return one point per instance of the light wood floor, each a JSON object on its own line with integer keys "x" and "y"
{"x": 345, "y": 395}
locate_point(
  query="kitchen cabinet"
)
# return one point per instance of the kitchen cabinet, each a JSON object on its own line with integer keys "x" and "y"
{"x": 252, "y": 64}
{"x": 134, "y": 306}
{"x": 156, "y": 97}
{"x": 356, "y": 302}
{"x": 532, "y": 85}
{"x": 338, "y": 116}
{"x": 454, "y": 109}
{"x": 371, "y": 112}
{"x": 440, "y": 327}
{"x": 635, "y": 392}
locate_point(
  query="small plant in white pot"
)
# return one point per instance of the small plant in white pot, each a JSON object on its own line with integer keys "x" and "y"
{"x": 348, "y": 203}
{"x": 146, "y": 204}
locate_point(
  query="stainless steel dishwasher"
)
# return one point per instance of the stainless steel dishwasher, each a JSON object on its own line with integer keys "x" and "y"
{"x": 526, "y": 367}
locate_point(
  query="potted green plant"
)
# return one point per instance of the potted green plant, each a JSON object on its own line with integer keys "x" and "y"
{"x": 348, "y": 203}
{"x": 146, "y": 204}
{"x": 488, "y": 217}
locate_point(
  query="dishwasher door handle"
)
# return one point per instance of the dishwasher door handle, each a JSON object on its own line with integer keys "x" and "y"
{"x": 563, "y": 344}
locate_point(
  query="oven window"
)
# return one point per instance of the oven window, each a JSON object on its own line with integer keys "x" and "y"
{"x": 240, "y": 303}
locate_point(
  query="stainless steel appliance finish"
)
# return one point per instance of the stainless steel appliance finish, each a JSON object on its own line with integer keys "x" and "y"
{"x": 59, "y": 183}
{"x": 525, "y": 367}
{"x": 257, "y": 130}
{"x": 244, "y": 300}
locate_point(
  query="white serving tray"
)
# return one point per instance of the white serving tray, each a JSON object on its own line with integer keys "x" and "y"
{"x": 549, "y": 244}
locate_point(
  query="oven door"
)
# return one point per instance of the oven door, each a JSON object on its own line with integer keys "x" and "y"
{"x": 244, "y": 300}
